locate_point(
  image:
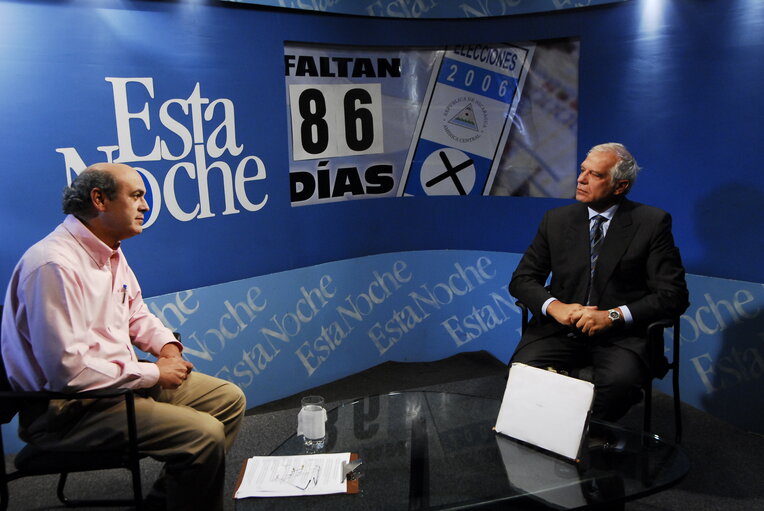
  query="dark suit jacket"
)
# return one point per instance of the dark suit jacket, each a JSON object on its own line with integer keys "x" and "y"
{"x": 639, "y": 266}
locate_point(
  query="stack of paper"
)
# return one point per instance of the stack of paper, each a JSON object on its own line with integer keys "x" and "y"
{"x": 287, "y": 476}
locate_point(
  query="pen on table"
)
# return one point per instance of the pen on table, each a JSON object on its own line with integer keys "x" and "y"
{"x": 124, "y": 292}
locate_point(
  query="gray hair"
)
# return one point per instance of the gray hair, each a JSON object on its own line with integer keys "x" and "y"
{"x": 625, "y": 168}
{"x": 76, "y": 198}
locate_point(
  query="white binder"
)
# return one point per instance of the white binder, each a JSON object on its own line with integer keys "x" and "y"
{"x": 546, "y": 409}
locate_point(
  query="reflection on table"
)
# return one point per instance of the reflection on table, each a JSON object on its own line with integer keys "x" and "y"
{"x": 432, "y": 450}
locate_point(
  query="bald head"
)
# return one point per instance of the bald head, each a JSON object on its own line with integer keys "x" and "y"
{"x": 110, "y": 199}
{"x": 104, "y": 176}
{"x": 115, "y": 169}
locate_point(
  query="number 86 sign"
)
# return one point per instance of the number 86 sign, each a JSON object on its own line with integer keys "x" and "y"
{"x": 335, "y": 120}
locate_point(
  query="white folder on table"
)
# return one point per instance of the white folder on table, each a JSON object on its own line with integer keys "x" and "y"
{"x": 546, "y": 409}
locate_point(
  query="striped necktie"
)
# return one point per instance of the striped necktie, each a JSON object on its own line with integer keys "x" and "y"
{"x": 595, "y": 242}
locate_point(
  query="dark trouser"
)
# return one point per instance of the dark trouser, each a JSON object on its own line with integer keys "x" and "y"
{"x": 618, "y": 373}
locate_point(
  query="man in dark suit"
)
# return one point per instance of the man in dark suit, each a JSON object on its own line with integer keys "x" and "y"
{"x": 615, "y": 269}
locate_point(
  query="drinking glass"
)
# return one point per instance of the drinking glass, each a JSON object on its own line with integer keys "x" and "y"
{"x": 311, "y": 423}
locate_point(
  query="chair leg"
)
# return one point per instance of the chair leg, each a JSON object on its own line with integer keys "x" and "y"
{"x": 4, "y": 493}
{"x": 60, "y": 489}
{"x": 4, "y": 475}
{"x": 648, "y": 408}
{"x": 675, "y": 382}
{"x": 137, "y": 493}
{"x": 134, "y": 460}
{"x": 677, "y": 409}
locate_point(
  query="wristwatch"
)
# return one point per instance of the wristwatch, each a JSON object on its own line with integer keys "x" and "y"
{"x": 614, "y": 315}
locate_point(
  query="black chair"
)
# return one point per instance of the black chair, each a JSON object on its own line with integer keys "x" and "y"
{"x": 654, "y": 352}
{"x": 35, "y": 461}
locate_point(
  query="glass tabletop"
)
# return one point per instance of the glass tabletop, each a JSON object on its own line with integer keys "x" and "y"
{"x": 433, "y": 450}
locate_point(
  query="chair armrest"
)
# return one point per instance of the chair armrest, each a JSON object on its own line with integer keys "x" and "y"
{"x": 10, "y": 400}
{"x": 655, "y": 343}
{"x": 661, "y": 324}
{"x": 44, "y": 394}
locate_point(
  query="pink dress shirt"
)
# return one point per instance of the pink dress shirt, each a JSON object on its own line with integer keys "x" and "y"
{"x": 73, "y": 312}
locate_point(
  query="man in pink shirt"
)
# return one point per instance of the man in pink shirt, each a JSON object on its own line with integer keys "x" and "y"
{"x": 73, "y": 312}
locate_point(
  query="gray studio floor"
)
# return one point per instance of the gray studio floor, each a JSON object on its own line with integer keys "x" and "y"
{"x": 727, "y": 463}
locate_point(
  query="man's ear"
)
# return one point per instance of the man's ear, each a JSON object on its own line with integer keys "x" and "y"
{"x": 621, "y": 187}
{"x": 97, "y": 198}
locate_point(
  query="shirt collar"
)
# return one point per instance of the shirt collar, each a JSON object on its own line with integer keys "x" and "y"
{"x": 99, "y": 251}
{"x": 608, "y": 213}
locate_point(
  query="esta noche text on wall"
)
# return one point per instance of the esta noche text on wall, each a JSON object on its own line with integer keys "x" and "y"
{"x": 192, "y": 131}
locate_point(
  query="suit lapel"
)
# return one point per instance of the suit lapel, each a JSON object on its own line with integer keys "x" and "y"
{"x": 619, "y": 236}
{"x": 577, "y": 248}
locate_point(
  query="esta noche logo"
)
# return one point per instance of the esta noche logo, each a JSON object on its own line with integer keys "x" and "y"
{"x": 193, "y": 130}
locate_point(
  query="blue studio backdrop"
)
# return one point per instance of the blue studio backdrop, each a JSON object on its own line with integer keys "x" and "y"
{"x": 279, "y": 298}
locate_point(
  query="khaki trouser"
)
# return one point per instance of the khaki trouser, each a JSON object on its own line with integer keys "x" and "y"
{"x": 189, "y": 428}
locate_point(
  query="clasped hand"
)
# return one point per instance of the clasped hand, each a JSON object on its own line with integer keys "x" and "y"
{"x": 173, "y": 369}
{"x": 586, "y": 318}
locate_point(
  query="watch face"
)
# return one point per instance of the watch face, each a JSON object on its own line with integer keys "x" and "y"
{"x": 614, "y": 315}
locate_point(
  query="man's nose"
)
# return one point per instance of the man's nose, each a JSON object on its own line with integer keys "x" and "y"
{"x": 144, "y": 206}
{"x": 581, "y": 177}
